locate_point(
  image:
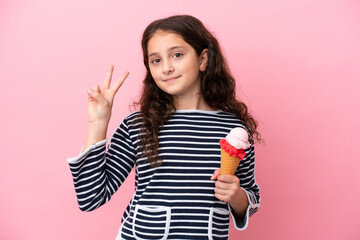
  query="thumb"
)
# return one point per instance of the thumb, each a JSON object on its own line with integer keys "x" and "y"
{"x": 95, "y": 95}
{"x": 215, "y": 174}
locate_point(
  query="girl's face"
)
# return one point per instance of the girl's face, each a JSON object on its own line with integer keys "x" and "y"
{"x": 174, "y": 64}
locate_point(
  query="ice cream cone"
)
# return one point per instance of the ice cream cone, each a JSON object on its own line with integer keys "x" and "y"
{"x": 228, "y": 164}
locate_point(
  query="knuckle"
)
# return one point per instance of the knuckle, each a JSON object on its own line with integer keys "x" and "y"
{"x": 237, "y": 181}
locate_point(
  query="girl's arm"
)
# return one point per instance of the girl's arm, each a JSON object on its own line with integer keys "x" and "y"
{"x": 97, "y": 173}
{"x": 239, "y": 190}
{"x": 227, "y": 189}
{"x": 100, "y": 102}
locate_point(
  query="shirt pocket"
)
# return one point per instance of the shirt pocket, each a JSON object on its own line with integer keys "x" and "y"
{"x": 218, "y": 224}
{"x": 151, "y": 222}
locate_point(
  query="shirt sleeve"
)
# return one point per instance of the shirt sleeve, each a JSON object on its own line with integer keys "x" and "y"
{"x": 98, "y": 172}
{"x": 246, "y": 174}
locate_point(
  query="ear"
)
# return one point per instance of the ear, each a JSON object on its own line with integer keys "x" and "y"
{"x": 204, "y": 56}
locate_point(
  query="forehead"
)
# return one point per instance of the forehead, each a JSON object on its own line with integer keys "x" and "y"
{"x": 162, "y": 41}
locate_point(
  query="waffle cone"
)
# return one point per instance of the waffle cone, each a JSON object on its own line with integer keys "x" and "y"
{"x": 228, "y": 164}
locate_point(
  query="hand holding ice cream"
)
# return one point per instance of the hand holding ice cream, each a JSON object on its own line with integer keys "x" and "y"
{"x": 232, "y": 150}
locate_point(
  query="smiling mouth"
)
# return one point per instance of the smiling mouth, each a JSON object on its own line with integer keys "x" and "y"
{"x": 168, "y": 80}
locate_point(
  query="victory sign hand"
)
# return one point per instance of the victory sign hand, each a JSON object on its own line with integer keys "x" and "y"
{"x": 100, "y": 101}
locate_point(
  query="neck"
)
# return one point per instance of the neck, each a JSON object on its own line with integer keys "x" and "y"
{"x": 194, "y": 102}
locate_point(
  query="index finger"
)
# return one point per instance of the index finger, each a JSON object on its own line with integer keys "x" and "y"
{"x": 108, "y": 77}
{"x": 216, "y": 174}
{"x": 228, "y": 178}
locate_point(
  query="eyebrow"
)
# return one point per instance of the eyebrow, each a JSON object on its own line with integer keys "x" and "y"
{"x": 169, "y": 50}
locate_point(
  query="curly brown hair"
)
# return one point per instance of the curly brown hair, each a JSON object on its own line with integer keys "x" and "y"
{"x": 217, "y": 84}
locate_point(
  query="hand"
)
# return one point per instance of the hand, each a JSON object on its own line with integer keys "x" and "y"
{"x": 100, "y": 101}
{"x": 227, "y": 187}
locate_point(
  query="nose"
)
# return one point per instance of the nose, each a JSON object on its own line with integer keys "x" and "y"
{"x": 168, "y": 68}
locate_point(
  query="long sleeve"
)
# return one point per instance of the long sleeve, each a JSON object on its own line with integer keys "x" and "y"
{"x": 246, "y": 174}
{"x": 97, "y": 173}
{"x": 170, "y": 198}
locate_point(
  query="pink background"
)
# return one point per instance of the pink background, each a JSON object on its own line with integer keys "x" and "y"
{"x": 297, "y": 67}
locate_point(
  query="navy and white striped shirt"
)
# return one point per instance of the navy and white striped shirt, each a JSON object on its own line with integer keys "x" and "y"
{"x": 177, "y": 199}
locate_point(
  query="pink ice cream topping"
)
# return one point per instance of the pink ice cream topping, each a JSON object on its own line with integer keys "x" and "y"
{"x": 238, "y": 138}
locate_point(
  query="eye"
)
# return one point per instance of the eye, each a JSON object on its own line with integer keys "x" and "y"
{"x": 155, "y": 61}
{"x": 177, "y": 55}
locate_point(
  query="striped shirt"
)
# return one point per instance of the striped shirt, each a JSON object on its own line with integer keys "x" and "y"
{"x": 177, "y": 199}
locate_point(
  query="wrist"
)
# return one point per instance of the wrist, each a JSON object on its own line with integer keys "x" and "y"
{"x": 240, "y": 203}
{"x": 96, "y": 131}
{"x": 100, "y": 124}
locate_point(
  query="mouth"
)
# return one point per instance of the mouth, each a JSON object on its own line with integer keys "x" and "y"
{"x": 172, "y": 79}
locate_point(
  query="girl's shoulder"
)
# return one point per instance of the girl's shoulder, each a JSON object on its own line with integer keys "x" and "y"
{"x": 132, "y": 118}
{"x": 134, "y": 114}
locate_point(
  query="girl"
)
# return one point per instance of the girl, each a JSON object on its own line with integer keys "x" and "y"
{"x": 187, "y": 105}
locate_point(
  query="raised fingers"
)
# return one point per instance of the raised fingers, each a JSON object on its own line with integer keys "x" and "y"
{"x": 121, "y": 80}
{"x": 108, "y": 77}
